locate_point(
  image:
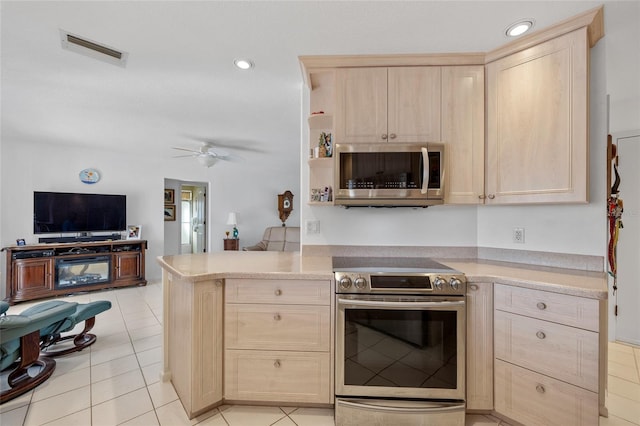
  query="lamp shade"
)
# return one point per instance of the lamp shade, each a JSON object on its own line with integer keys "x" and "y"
{"x": 232, "y": 219}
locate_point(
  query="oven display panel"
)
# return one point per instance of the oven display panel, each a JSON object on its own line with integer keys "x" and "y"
{"x": 401, "y": 282}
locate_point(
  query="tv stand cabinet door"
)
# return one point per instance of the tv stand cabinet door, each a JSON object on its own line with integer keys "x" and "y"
{"x": 32, "y": 278}
{"x": 128, "y": 267}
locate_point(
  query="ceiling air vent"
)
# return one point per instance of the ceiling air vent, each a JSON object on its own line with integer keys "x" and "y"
{"x": 92, "y": 49}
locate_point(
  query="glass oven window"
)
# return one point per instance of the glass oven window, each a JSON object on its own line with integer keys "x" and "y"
{"x": 387, "y": 170}
{"x": 400, "y": 348}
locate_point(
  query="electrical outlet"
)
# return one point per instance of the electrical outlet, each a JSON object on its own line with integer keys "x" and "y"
{"x": 312, "y": 226}
{"x": 518, "y": 235}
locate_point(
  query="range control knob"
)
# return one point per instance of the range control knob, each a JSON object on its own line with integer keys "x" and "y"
{"x": 455, "y": 283}
{"x": 345, "y": 282}
{"x": 360, "y": 283}
{"x": 439, "y": 282}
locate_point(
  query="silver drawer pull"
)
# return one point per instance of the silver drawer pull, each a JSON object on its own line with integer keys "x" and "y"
{"x": 277, "y": 363}
{"x": 541, "y": 335}
{"x": 277, "y": 317}
{"x": 540, "y": 389}
{"x": 542, "y": 306}
{"x": 278, "y": 292}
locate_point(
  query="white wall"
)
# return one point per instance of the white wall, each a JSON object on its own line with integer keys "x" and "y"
{"x": 249, "y": 188}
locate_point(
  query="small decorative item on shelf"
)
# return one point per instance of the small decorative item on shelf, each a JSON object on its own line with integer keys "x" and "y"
{"x": 321, "y": 194}
{"x": 134, "y": 232}
{"x": 326, "y": 145}
{"x": 227, "y": 234}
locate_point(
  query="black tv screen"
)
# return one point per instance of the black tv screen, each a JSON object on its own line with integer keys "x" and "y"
{"x": 59, "y": 212}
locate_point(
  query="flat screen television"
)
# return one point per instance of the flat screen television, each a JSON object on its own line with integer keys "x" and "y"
{"x": 59, "y": 212}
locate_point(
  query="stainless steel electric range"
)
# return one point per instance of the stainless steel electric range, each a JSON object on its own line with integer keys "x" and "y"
{"x": 400, "y": 342}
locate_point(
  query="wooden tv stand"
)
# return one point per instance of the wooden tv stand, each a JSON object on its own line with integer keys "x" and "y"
{"x": 33, "y": 270}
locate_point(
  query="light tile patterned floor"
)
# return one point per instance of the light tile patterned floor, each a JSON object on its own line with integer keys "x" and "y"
{"x": 116, "y": 381}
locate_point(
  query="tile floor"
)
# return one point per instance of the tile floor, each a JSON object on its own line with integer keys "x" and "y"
{"x": 116, "y": 381}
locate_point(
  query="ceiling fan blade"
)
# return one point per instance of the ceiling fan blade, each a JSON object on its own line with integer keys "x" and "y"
{"x": 185, "y": 149}
{"x": 236, "y": 144}
{"x": 183, "y": 156}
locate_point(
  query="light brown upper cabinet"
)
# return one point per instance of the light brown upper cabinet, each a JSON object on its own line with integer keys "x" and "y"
{"x": 463, "y": 133}
{"x": 395, "y": 104}
{"x": 538, "y": 123}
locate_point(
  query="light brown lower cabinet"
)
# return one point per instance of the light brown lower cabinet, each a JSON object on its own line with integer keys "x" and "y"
{"x": 286, "y": 376}
{"x": 278, "y": 341}
{"x": 479, "y": 384}
{"x": 535, "y": 399}
{"x": 550, "y": 367}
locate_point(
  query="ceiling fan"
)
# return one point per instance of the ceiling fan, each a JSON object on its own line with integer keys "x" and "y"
{"x": 206, "y": 155}
{"x": 211, "y": 151}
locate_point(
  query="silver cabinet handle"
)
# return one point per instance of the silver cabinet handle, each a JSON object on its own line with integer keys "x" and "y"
{"x": 482, "y": 196}
{"x": 277, "y": 363}
{"x": 492, "y": 196}
{"x": 278, "y": 292}
{"x": 540, "y": 389}
{"x": 392, "y": 135}
{"x": 540, "y": 335}
{"x": 541, "y": 305}
{"x": 384, "y": 136}
{"x": 277, "y": 317}
{"x": 473, "y": 287}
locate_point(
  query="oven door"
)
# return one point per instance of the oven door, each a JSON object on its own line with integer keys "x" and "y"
{"x": 400, "y": 346}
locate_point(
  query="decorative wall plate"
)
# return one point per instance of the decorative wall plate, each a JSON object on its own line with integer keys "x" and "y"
{"x": 89, "y": 176}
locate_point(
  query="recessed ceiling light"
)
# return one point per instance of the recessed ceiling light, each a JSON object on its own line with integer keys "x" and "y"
{"x": 519, "y": 27}
{"x": 243, "y": 64}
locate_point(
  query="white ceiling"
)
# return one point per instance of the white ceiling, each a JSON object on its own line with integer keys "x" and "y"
{"x": 180, "y": 80}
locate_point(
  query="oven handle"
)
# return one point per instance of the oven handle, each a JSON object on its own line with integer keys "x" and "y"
{"x": 425, "y": 171}
{"x": 388, "y": 304}
{"x": 433, "y": 407}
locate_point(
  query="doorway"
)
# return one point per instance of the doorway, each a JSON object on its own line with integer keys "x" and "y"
{"x": 193, "y": 204}
{"x": 625, "y": 326}
{"x": 185, "y": 231}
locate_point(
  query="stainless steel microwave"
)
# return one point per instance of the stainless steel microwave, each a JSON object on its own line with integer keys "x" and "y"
{"x": 389, "y": 174}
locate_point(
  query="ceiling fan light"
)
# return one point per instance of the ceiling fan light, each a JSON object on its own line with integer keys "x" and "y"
{"x": 206, "y": 160}
{"x": 519, "y": 28}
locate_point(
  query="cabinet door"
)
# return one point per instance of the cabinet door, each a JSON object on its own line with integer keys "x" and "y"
{"x": 537, "y": 123}
{"x": 413, "y": 111}
{"x": 559, "y": 351}
{"x": 127, "y": 266}
{"x": 361, "y": 105}
{"x": 277, "y": 376}
{"x": 534, "y": 399}
{"x": 32, "y": 278}
{"x": 463, "y": 133}
{"x": 480, "y": 346}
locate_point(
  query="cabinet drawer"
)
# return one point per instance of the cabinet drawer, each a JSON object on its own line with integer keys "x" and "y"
{"x": 299, "y": 292}
{"x": 534, "y": 399}
{"x": 277, "y": 376}
{"x": 561, "y": 308}
{"x": 566, "y": 353}
{"x": 278, "y": 327}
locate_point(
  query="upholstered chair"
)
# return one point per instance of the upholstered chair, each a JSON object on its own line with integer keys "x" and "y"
{"x": 20, "y": 347}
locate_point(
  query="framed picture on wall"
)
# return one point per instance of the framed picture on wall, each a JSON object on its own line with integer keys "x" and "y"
{"x": 134, "y": 232}
{"x": 169, "y": 212}
{"x": 169, "y": 196}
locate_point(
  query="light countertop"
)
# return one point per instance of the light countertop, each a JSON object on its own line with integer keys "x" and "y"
{"x": 291, "y": 265}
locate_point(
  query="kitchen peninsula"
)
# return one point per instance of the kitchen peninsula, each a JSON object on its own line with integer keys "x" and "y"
{"x": 258, "y": 327}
